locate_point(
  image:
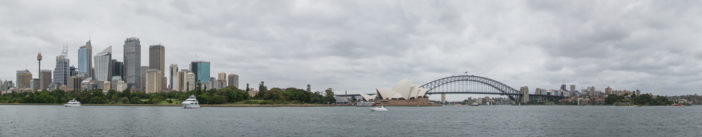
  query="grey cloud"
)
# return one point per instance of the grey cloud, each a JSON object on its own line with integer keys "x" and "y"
{"x": 362, "y": 45}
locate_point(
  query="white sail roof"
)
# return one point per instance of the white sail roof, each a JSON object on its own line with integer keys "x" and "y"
{"x": 403, "y": 89}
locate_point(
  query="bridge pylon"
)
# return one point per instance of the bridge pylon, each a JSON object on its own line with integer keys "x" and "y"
{"x": 443, "y": 98}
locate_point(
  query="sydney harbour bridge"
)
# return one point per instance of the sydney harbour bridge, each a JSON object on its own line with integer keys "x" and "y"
{"x": 471, "y": 84}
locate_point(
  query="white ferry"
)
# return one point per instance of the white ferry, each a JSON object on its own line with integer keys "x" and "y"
{"x": 191, "y": 102}
{"x": 72, "y": 103}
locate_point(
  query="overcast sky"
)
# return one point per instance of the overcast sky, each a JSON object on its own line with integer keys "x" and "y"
{"x": 362, "y": 45}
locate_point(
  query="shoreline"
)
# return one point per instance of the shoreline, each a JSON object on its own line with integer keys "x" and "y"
{"x": 201, "y": 105}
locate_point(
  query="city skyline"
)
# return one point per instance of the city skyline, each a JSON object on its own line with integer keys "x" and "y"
{"x": 312, "y": 45}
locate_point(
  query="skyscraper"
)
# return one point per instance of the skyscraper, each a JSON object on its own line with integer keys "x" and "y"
{"x": 85, "y": 61}
{"x": 117, "y": 69}
{"x": 157, "y": 61}
{"x": 24, "y": 79}
{"x": 172, "y": 76}
{"x": 157, "y": 58}
{"x": 62, "y": 70}
{"x": 103, "y": 66}
{"x": 201, "y": 70}
{"x": 45, "y": 79}
{"x": 154, "y": 83}
{"x": 234, "y": 80}
{"x": 132, "y": 62}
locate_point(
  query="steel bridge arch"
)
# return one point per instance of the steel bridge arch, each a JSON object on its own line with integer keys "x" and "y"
{"x": 512, "y": 93}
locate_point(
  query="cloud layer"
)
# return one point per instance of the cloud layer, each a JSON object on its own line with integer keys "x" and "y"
{"x": 362, "y": 45}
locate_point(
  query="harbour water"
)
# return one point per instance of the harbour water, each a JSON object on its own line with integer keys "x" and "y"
{"x": 43, "y": 120}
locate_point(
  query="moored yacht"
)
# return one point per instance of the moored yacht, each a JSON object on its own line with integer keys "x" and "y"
{"x": 72, "y": 103}
{"x": 191, "y": 102}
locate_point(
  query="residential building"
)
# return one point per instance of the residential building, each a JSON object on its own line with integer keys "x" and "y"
{"x": 608, "y": 90}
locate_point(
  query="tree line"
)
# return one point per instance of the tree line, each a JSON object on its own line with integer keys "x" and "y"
{"x": 642, "y": 100}
{"x": 211, "y": 96}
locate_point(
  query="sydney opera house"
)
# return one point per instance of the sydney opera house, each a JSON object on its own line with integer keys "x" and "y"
{"x": 404, "y": 93}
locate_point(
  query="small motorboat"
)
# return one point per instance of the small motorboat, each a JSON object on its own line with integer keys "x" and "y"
{"x": 191, "y": 102}
{"x": 379, "y": 109}
{"x": 72, "y": 103}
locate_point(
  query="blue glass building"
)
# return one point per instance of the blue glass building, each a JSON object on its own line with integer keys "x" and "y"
{"x": 201, "y": 70}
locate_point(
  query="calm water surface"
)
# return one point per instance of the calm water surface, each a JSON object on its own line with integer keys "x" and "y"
{"x": 28, "y": 120}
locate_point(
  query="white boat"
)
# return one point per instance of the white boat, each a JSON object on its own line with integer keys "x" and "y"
{"x": 379, "y": 109}
{"x": 72, "y": 103}
{"x": 191, "y": 102}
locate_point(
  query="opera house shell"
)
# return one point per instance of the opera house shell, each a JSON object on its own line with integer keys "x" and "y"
{"x": 403, "y": 90}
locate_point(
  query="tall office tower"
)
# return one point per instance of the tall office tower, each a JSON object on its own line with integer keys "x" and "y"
{"x": 157, "y": 58}
{"x": 172, "y": 76}
{"x": 563, "y": 87}
{"x": 44, "y": 79}
{"x": 142, "y": 78}
{"x": 572, "y": 88}
{"x": 201, "y": 70}
{"x": 132, "y": 62}
{"x": 62, "y": 70}
{"x": 117, "y": 68}
{"x": 234, "y": 80}
{"x": 154, "y": 83}
{"x": 103, "y": 61}
{"x": 24, "y": 79}
{"x": 85, "y": 61}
